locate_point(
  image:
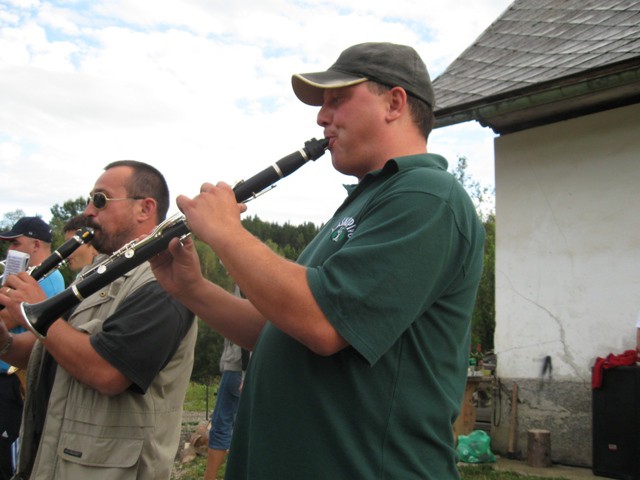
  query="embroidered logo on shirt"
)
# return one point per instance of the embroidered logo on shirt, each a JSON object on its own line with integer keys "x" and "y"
{"x": 343, "y": 230}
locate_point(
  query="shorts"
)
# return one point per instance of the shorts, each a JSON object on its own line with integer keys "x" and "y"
{"x": 224, "y": 413}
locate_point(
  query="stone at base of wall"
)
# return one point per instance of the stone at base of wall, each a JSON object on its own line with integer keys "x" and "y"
{"x": 562, "y": 407}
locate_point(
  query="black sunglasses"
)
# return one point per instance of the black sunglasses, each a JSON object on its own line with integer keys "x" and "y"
{"x": 100, "y": 200}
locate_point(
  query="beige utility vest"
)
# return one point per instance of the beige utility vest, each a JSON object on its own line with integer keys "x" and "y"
{"x": 88, "y": 435}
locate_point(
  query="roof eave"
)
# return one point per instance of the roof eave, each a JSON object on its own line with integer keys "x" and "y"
{"x": 550, "y": 102}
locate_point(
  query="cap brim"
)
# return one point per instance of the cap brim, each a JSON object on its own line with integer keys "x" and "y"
{"x": 310, "y": 87}
{"x": 9, "y": 235}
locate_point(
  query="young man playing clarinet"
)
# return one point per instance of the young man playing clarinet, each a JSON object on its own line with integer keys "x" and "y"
{"x": 360, "y": 348}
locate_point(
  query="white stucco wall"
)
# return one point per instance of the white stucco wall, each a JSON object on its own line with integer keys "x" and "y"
{"x": 567, "y": 244}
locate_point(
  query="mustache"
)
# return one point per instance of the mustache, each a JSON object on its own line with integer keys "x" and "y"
{"x": 92, "y": 224}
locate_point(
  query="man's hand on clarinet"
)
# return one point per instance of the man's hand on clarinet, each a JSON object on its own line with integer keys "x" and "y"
{"x": 17, "y": 289}
{"x": 178, "y": 267}
{"x": 214, "y": 214}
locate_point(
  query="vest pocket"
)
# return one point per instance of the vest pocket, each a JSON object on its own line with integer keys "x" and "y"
{"x": 91, "y": 451}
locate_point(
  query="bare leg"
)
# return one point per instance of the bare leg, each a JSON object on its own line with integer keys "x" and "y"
{"x": 214, "y": 461}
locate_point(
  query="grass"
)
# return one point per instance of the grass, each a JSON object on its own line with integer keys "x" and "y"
{"x": 190, "y": 471}
{"x": 195, "y": 471}
{"x": 199, "y": 398}
{"x": 486, "y": 472}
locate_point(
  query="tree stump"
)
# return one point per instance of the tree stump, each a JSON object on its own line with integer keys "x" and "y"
{"x": 539, "y": 448}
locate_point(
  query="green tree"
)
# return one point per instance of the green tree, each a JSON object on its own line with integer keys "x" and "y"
{"x": 211, "y": 267}
{"x": 208, "y": 350}
{"x": 209, "y": 343}
{"x": 291, "y": 239}
{"x": 484, "y": 313}
{"x": 285, "y": 240}
{"x": 8, "y": 220}
{"x": 60, "y": 214}
{"x": 483, "y": 321}
{"x": 480, "y": 195}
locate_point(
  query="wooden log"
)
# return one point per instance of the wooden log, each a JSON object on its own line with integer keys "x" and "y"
{"x": 539, "y": 448}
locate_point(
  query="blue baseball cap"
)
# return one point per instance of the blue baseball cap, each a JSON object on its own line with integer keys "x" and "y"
{"x": 33, "y": 227}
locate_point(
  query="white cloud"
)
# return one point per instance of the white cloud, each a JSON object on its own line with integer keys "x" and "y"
{"x": 199, "y": 88}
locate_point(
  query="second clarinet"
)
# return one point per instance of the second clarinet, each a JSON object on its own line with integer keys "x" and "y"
{"x": 60, "y": 256}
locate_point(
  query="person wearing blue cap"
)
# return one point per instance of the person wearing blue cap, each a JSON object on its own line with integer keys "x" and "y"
{"x": 360, "y": 347}
{"x": 30, "y": 235}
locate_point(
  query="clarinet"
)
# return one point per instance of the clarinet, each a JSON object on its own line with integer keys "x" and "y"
{"x": 40, "y": 316}
{"x": 60, "y": 255}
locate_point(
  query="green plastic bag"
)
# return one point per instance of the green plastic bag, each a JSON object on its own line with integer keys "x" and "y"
{"x": 475, "y": 448}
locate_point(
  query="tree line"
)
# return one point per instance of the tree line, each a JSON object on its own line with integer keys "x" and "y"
{"x": 288, "y": 241}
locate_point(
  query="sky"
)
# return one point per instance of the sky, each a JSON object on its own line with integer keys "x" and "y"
{"x": 201, "y": 89}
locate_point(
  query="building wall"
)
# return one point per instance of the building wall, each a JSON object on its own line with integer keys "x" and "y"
{"x": 567, "y": 271}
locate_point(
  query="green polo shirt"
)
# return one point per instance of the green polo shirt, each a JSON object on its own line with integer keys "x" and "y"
{"x": 396, "y": 272}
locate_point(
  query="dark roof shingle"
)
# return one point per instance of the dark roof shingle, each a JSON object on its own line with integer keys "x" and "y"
{"x": 541, "y": 42}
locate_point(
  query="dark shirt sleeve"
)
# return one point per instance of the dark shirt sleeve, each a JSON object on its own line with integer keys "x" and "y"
{"x": 143, "y": 334}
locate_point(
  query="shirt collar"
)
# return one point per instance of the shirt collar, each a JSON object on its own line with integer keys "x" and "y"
{"x": 427, "y": 160}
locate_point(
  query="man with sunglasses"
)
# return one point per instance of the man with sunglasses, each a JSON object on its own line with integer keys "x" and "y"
{"x": 106, "y": 387}
{"x": 99, "y": 199}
